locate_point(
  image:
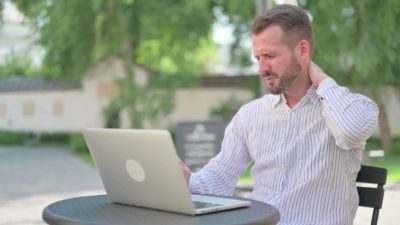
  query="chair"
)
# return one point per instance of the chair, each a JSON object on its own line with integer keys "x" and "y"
{"x": 372, "y": 197}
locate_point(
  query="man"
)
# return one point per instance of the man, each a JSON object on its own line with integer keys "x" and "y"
{"x": 305, "y": 137}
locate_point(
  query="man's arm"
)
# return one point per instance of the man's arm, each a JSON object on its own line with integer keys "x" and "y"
{"x": 221, "y": 173}
{"x": 350, "y": 117}
{"x": 185, "y": 170}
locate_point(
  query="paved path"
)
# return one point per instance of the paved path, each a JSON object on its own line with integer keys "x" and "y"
{"x": 32, "y": 178}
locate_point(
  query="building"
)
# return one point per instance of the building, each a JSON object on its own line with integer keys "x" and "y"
{"x": 40, "y": 105}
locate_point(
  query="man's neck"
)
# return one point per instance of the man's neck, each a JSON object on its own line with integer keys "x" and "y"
{"x": 294, "y": 94}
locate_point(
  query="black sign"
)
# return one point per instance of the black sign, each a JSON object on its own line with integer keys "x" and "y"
{"x": 198, "y": 142}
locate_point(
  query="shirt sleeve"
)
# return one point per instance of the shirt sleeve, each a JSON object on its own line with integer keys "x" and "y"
{"x": 351, "y": 117}
{"x": 222, "y": 172}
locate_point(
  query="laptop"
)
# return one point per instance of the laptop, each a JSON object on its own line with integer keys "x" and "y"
{"x": 140, "y": 168}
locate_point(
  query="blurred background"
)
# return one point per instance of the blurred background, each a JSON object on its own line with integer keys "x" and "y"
{"x": 67, "y": 65}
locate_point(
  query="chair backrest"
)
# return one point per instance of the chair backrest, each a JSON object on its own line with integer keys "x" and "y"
{"x": 372, "y": 197}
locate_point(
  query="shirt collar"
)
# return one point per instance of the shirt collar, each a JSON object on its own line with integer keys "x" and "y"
{"x": 311, "y": 96}
{"x": 276, "y": 99}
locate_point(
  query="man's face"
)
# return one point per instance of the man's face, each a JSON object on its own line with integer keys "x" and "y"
{"x": 277, "y": 63}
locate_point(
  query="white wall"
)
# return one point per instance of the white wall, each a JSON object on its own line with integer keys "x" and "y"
{"x": 196, "y": 104}
{"x": 78, "y": 111}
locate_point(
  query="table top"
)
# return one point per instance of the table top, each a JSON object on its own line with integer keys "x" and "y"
{"x": 100, "y": 210}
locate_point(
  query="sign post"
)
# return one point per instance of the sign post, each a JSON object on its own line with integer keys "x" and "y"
{"x": 198, "y": 142}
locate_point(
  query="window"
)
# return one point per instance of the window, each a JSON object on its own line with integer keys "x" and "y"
{"x": 2, "y": 109}
{"x": 28, "y": 109}
{"x": 58, "y": 108}
{"x": 107, "y": 90}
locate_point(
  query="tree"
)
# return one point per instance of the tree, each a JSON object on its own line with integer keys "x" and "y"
{"x": 18, "y": 65}
{"x": 240, "y": 15}
{"x": 171, "y": 38}
{"x": 358, "y": 42}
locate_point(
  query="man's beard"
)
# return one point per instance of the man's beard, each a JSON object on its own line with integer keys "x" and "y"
{"x": 287, "y": 78}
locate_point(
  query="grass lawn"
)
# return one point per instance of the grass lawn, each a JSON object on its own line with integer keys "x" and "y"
{"x": 85, "y": 156}
{"x": 392, "y": 164}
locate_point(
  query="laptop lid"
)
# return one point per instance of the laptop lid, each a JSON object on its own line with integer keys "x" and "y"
{"x": 140, "y": 167}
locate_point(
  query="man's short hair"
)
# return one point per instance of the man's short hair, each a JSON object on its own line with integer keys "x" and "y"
{"x": 293, "y": 20}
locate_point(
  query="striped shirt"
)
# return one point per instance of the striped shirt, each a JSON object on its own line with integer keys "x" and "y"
{"x": 306, "y": 158}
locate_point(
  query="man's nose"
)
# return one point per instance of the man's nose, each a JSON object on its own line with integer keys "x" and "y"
{"x": 263, "y": 67}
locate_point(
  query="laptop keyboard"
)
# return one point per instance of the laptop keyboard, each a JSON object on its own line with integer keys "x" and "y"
{"x": 202, "y": 205}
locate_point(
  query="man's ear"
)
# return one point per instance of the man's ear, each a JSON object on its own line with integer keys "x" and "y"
{"x": 303, "y": 50}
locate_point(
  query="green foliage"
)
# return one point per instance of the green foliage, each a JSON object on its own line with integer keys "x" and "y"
{"x": 373, "y": 144}
{"x": 55, "y": 138}
{"x": 12, "y": 138}
{"x": 166, "y": 36}
{"x": 392, "y": 150}
{"x": 239, "y": 15}
{"x": 28, "y": 138}
{"x": 75, "y": 141}
{"x": 227, "y": 109}
{"x": 78, "y": 144}
{"x": 171, "y": 37}
{"x": 246, "y": 178}
{"x": 15, "y": 66}
{"x": 111, "y": 113}
{"x": 64, "y": 32}
{"x": 20, "y": 65}
{"x": 253, "y": 84}
{"x": 391, "y": 163}
{"x": 358, "y": 42}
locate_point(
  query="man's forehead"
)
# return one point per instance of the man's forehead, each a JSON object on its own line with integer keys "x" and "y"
{"x": 271, "y": 32}
{"x": 269, "y": 40}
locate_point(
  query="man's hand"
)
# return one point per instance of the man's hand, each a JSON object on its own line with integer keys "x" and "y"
{"x": 316, "y": 74}
{"x": 186, "y": 171}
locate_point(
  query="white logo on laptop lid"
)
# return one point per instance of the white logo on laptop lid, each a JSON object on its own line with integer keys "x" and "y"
{"x": 135, "y": 170}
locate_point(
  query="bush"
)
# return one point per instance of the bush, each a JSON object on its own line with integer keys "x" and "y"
{"x": 13, "y": 138}
{"x": 373, "y": 144}
{"x": 55, "y": 138}
{"x": 227, "y": 109}
{"x": 78, "y": 144}
{"x": 394, "y": 149}
{"x": 28, "y": 138}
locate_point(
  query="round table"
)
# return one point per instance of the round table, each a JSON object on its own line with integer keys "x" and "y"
{"x": 100, "y": 210}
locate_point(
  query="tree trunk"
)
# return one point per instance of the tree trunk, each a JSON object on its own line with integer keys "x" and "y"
{"x": 129, "y": 42}
{"x": 386, "y": 136}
